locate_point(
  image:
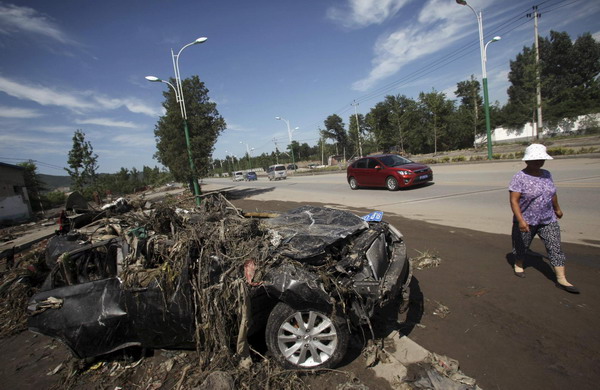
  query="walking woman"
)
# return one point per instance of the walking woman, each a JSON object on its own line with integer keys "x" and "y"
{"x": 534, "y": 203}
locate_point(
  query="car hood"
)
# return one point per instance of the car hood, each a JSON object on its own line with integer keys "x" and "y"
{"x": 410, "y": 167}
{"x": 307, "y": 231}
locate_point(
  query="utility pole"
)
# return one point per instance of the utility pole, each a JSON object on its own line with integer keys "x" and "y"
{"x": 276, "y": 151}
{"x": 357, "y": 128}
{"x": 535, "y": 16}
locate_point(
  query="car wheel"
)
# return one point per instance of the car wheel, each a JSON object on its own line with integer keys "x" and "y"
{"x": 391, "y": 183}
{"x": 305, "y": 339}
{"x": 353, "y": 183}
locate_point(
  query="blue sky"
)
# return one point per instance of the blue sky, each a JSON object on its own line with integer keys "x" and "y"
{"x": 68, "y": 65}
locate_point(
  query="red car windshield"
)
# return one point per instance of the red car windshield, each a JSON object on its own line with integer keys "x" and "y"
{"x": 393, "y": 160}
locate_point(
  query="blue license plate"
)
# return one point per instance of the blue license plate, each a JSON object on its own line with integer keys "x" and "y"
{"x": 423, "y": 177}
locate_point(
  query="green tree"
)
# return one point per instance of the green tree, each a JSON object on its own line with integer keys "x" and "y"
{"x": 356, "y": 133}
{"x": 379, "y": 124}
{"x": 569, "y": 80}
{"x": 395, "y": 125}
{"x": 35, "y": 186}
{"x": 204, "y": 124}
{"x": 295, "y": 148}
{"x": 436, "y": 111}
{"x": 403, "y": 118}
{"x": 82, "y": 162}
{"x": 334, "y": 129}
{"x": 470, "y": 111}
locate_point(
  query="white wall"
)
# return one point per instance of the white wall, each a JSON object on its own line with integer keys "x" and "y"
{"x": 13, "y": 208}
{"x": 566, "y": 126}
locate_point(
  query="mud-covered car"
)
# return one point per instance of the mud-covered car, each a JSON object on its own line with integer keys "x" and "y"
{"x": 326, "y": 271}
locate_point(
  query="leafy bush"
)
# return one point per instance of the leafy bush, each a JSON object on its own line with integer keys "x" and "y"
{"x": 560, "y": 151}
{"x": 429, "y": 161}
{"x": 591, "y": 149}
{"x": 54, "y": 198}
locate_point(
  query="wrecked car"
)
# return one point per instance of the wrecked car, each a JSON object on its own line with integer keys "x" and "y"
{"x": 303, "y": 280}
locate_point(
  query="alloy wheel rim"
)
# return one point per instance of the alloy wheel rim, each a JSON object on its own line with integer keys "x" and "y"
{"x": 307, "y": 339}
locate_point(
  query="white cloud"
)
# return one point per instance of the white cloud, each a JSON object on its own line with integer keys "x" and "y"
{"x": 596, "y": 36}
{"x": 132, "y": 105}
{"x": 76, "y": 101}
{"x": 19, "y": 140}
{"x": 42, "y": 95}
{"x": 15, "y": 19}
{"x": 106, "y": 122}
{"x": 21, "y": 113}
{"x": 438, "y": 26}
{"x": 135, "y": 140}
{"x": 236, "y": 127}
{"x": 362, "y": 13}
{"x": 55, "y": 129}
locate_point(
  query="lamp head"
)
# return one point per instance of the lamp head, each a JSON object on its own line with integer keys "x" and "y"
{"x": 200, "y": 40}
{"x": 461, "y": 2}
{"x": 496, "y": 38}
{"x": 153, "y": 79}
{"x": 278, "y": 118}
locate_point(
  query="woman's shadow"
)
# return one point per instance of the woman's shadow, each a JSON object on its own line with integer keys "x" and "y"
{"x": 534, "y": 260}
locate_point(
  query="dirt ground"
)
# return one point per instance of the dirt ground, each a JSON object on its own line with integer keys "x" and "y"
{"x": 506, "y": 332}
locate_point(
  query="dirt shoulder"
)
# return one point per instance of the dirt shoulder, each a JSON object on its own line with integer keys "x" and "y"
{"x": 506, "y": 332}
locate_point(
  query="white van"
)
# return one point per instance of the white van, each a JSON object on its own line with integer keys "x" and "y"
{"x": 238, "y": 176}
{"x": 276, "y": 172}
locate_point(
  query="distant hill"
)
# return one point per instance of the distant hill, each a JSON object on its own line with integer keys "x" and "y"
{"x": 53, "y": 182}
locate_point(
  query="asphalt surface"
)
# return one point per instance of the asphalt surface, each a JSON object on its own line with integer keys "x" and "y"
{"x": 470, "y": 195}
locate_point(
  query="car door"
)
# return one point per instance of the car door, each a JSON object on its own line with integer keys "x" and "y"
{"x": 373, "y": 175}
{"x": 358, "y": 171}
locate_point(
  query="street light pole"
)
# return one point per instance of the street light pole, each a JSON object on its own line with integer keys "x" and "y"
{"x": 290, "y": 131}
{"x": 178, "y": 89}
{"x": 482, "y": 48}
{"x": 248, "y": 150}
{"x": 486, "y": 99}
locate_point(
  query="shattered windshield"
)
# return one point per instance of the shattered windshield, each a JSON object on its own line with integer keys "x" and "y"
{"x": 394, "y": 160}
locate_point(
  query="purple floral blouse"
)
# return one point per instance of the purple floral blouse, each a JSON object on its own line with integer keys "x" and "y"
{"x": 536, "y": 196}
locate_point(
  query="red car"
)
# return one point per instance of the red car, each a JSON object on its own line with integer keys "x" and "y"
{"x": 387, "y": 170}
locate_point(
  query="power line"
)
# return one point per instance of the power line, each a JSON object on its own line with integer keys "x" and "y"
{"x": 37, "y": 162}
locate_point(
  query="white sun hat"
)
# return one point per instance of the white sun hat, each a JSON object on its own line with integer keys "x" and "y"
{"x": 536, "y": 152}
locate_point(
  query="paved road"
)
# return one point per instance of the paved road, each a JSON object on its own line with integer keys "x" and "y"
{"x": 472, "y": 196}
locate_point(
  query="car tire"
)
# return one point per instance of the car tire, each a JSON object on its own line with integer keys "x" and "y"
{"x": 353, "y": 183}
{"x": 392, "y": 183}
{"x": 305, "y": 339}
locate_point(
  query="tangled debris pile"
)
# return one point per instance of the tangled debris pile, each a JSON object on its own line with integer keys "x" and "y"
{"x": 169, "y": 278}
{"x": 425, "y": 260}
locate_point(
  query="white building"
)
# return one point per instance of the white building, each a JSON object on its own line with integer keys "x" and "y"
{"x": 527, "y": 132}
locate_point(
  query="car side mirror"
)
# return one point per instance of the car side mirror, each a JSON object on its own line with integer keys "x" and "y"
{"x": 377, "y": 166}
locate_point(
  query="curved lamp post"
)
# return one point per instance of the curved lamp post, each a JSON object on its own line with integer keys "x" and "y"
{"x": 482, "y": 48}
{"x": 179, "y": 97}
{"x": 290, "y": 131}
